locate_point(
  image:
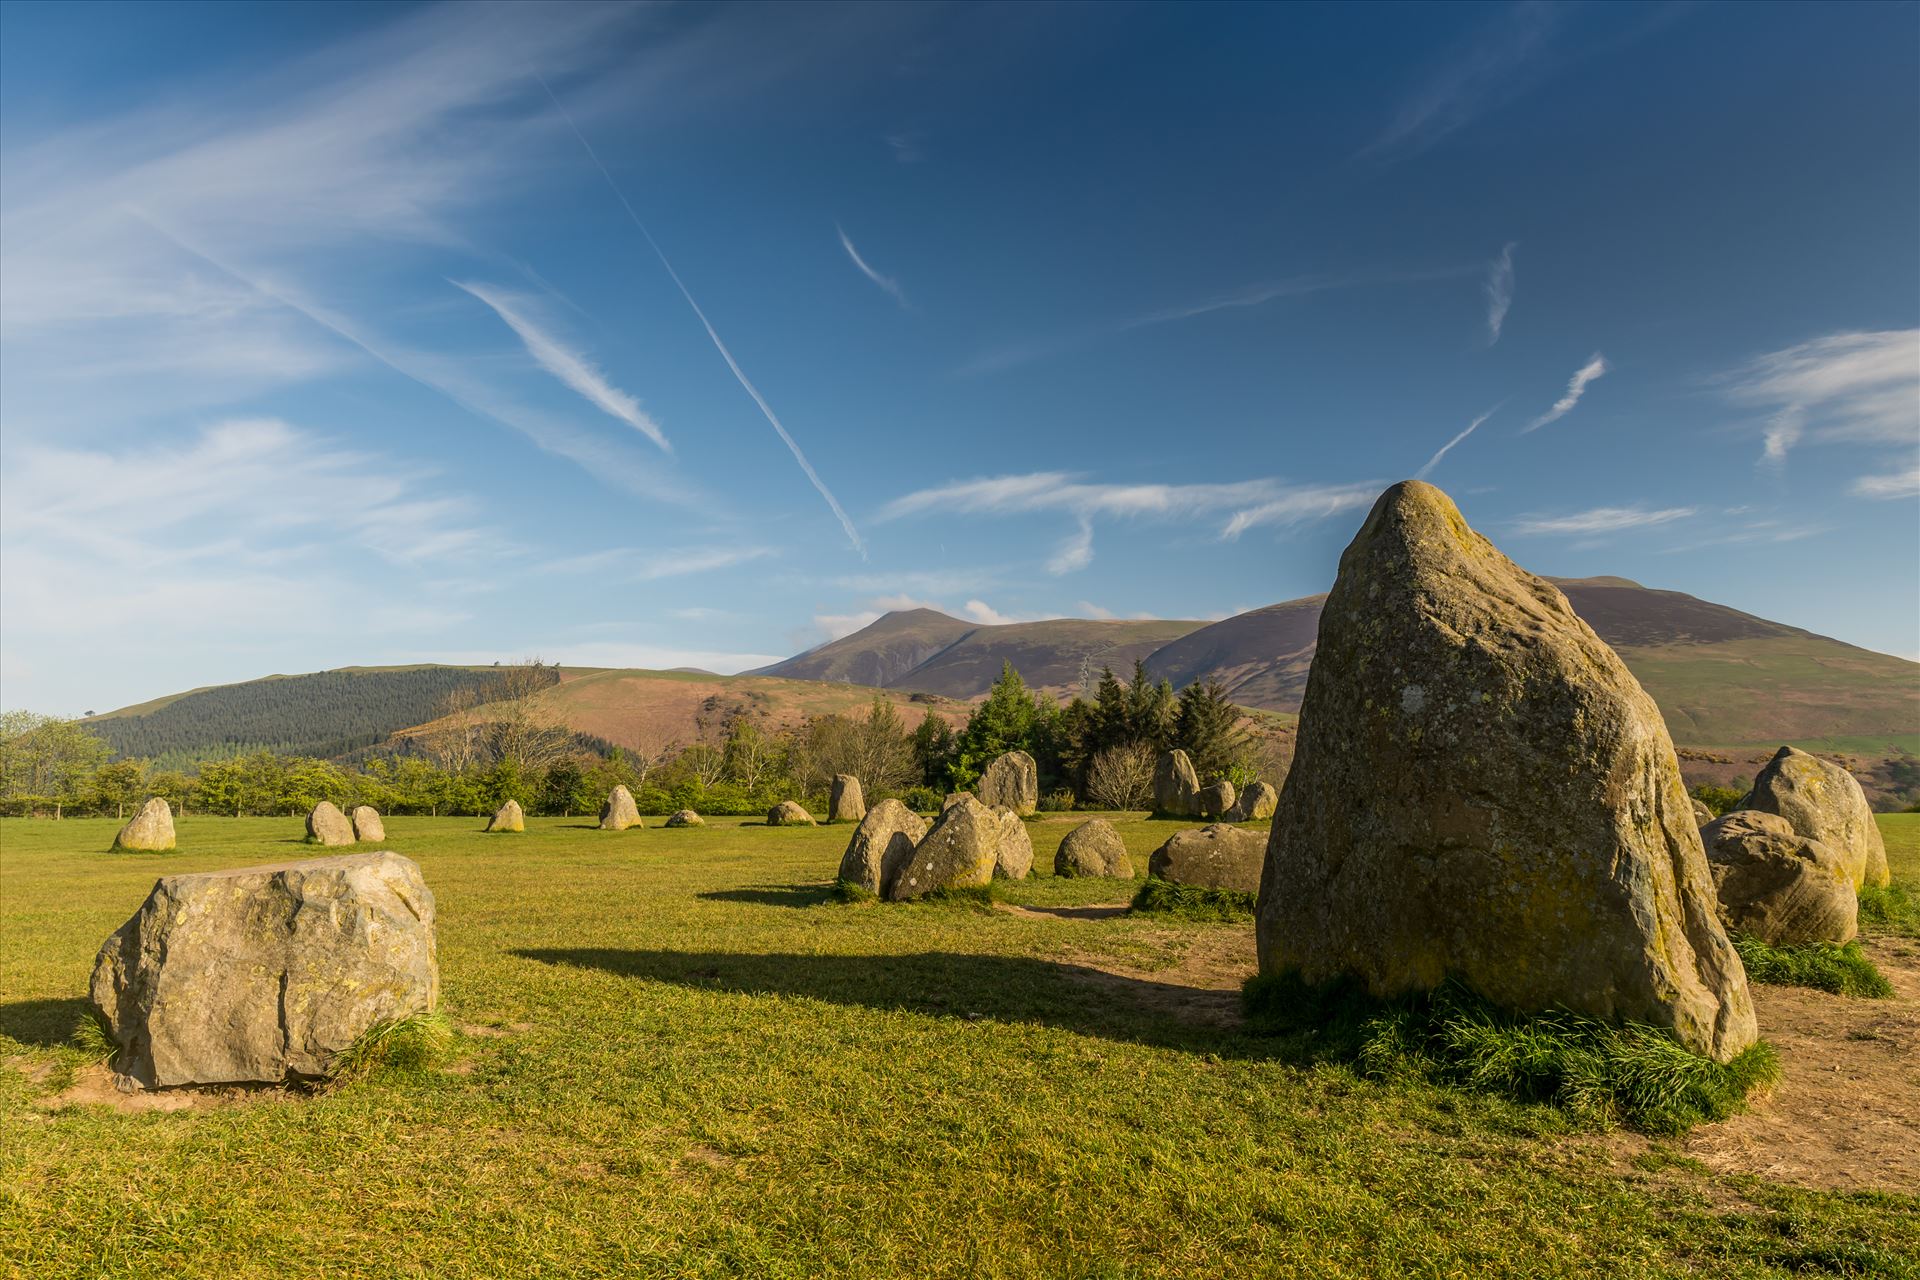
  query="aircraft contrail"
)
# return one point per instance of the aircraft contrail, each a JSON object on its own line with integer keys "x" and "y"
{"x": 746, "y": 384}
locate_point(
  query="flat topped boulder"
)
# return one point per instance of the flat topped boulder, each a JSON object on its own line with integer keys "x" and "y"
{"x": 1011, "y": 781}
{"x": 1256, "y": 802}
{"x": 619, "y": 812}
{"x": 960, "y": 851}
{"x": 327, "y": 825}
{"x": 881, "y": 845}
{"x": 789, "y": 813}
{"x": 846, "y": 801}
{"x": 1482, "y": 791}
{"x": 1176, "y": 787}
{"x": 1823, "y": 802}
{"x": 1777, "y": 885}
{"x": 367, "y": 825}
{"x": 1212, "y": 857}
{"x": 149, "y": 831}
{"x": 1216, "y": 802}
{"x": 686, "y": 818}
{"x": 1094, "y": 848}
{"x": 508, "y": 817}
{"x": 266, "y": 973}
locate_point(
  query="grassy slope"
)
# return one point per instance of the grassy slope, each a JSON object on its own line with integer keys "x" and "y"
{"x": 715, "y": 1072}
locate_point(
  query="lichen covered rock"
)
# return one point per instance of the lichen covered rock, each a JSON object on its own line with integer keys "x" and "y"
{"x": 1212, "y": 857}
{"x": 685, "y": 818}
{"x": 1255, "y": 803}
{"x": 266, "y": 973}
{"x": 1094, "y": 848}
{"x": 619, "y": 812}
{"x": 508, "y": 817}
{"x": 150, "y": 830}
{"x": 327, "y": 825}
{"x": 1823, "y": 802}
{"x": 367, "y": 826}
{"x": 1215, "y": 803}
{"x": 881, "y": 845}
{"x": 1011, "y": 781}
{"x": 789, "y": 813}
{"x": 1013, "y": 859}
{"x": 846, "y": 801}
{"x": 1482, "y": 791}
{"x": 1176, "y": 787}
{"x": 959, "y": 851}
{"x": 1776, "y": 884}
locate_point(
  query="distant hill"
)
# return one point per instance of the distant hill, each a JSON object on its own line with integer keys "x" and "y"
{"x": 878, "y": 653}
{"x": 326, "y": 713}
{"x": 1722, "y": 678}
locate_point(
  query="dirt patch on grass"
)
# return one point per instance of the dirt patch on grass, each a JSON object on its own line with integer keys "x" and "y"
{"x": 98, "y": 1086}
{"x": 1202, "y": 987}
{"x": 1103, "y": 912}
{"x": 1846, "y": 1114}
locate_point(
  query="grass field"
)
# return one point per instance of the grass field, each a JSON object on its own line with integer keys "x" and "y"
{"x": 678, "y": 1057}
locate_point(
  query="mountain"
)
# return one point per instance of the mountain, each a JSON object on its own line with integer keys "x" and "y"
{"x": 1722, "y": 678}
{"x": 878, "y": 653}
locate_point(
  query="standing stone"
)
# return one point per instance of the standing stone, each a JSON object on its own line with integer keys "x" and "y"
{"x": 846, "y": 802}
{"x": 1013, "y": 859}
{"x": 959, "y": 852}
{"x": 327, "y": 825}
{"x": 1258, "y": 801}
{"x": 686, "y": 818}
{"x": 1011, "y": 781}
{"x": 1482, "y": 791}
{"x": 1176, "y": 786}
{"x": 619, "y": 812}
{"x": 789, "y": 813}
{"x": 367, "y": 825}
{"x": 1823, "y": 802}
{"x": 1213, "y": 857}
{"x": 881, "y": 845}
{"x": 1216, "y": 802}
{"x": 955, "y": 798}
{"x": 1776, "y": 884}
{"x": 266, "y": 973}
{"x": 508, "y": 817}
{"x": 1094, "y": 848}
{"x": 150, "y": 831}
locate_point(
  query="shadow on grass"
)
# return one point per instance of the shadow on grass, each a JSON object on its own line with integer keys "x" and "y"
{"x": 48, "y": 1023}
{"x": 774, "y": 895}
{"x": 1072, "y": 997}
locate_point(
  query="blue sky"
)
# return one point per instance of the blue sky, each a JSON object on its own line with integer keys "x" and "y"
{"x": 332, "y": 335}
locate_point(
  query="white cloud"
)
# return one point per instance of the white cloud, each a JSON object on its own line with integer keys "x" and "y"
{"x": 1859, "y": 387}
{"x": 1308, "y": 502}
{"x": 1895, "y": 484}
{"x": 888, "y": 283}
{"x": 1075, "y": 553}
{"x": 1497, "y": 64}
{"x": 836, "y": 625}
{"x": 1499, "y": 289}
{"x": 1576, "y": 388}
{"x": 1601, "y": 520}
{"x": 986, "y": 615}
{"x": 571, "y": 367}
{"x": 1434, "y": 461}
{"x": 632, "y": 564}
{"x": 1093, "y": 610}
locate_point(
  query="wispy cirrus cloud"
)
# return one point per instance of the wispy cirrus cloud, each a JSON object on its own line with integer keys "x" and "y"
{"x": 636, "y": 564}
{"x": 1434, "y": 461}
{"x": 1859, "y": 388}
{"x": 1576, "y": 388}
{"x": 566, "y": 364}
{"x": 1498, "y": 63}
{"x": 1075, "y": 553}
{"x": 1904, "y": 483}
{"x": 888, "y": 283}
{"x": 1499, "y": 291}
{"x": 1601, "y": 520}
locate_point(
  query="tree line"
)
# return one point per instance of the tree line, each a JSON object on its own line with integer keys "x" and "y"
{"x": 476, "y": 754}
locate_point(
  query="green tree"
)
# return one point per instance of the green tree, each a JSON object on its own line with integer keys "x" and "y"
{"x": 1152, "y": 712}
{"x": 1207, "y": 726}
{"x": 933, "y": 750}
{"x": 120, "y": 785}
{"x": 565, "y": 790}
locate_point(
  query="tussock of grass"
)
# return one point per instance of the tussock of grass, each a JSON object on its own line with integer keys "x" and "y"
{"x": 848, "y": 891}
{"x": 1843, "y": 970}
{"x": 404, "y": 1046}
{"x": 1600, "y": 1074}
{"x": 980, "y": 896}
{"x": 1192, "y": 902}
{"x": 92, "y": 1040}
{"x": 1893, "y": 909}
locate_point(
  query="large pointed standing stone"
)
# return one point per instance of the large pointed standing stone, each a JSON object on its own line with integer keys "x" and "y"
{"x": 1011, "y": 781}
{"x": 367, "y": 826}
{"x": 1823, "y": 802}
{"x": 959, "y": 852}
{"x": 881, "y": 845}
{"x": 619, "y": 812}
{"x": 508, "y": 817}
{"x": 1176, "y": 786}
{"x": 327, "y": 825}
{"x": 1482, "y": 791}
{"x": 846, "y": 801}
{"x": 151, "y": 830}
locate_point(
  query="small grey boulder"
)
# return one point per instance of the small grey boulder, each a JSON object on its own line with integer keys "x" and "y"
{"x": 789, "y": 813}
{"x": 1823, "y": 802}
{"x": 508, "y": 817}
{"x": 619, "y": 812}
{"x": 367, "y": 826}
{"x": 686, "y": 818}
{"x": 1014, "y": 857}
{"x": 1255, "y": 803}
{"x": 1214, "y": 857}
{"x": 327, "y": 825}
{"x": 1775, "y": 884}
{"x": 881, "y": 845}
{"x": 1094, "y": 848}
{"x": 150, "y": 831}
{"x": 1216, "y": 802}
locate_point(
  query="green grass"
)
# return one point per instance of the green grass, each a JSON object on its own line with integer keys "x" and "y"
{"x": 1600, "y": 1075}
{"x": 672, "y": 1054}
{"x": 1842, "y": 970}
{"x": 403, "y": 1046}
{"x": 1192, "y": 902}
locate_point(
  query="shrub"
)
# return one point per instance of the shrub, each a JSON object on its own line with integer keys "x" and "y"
{"x": 1843, "y": 970}
{"x": 1719, "y": 800}
{"x": 1056, "y": 801}
{"x": 1892, "y": 910}
{"x": 1122, "y": 777}
{"x": 1191, "y": 901}
{"x": 922, "y": 799}
{"x": 1598, "y": 1073}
